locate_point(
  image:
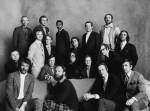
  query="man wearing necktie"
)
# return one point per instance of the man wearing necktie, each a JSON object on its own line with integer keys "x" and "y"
{"x": 136, "y": 98}
{"x": 22, "y": 37}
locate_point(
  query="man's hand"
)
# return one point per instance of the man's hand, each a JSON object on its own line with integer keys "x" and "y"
{"x": 131, "y": 101}
{"x": 88, "y": 96}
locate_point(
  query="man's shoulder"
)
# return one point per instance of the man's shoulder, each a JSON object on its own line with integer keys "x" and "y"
{"x": 14, "y": 74}
{"x": 138, "y": 74}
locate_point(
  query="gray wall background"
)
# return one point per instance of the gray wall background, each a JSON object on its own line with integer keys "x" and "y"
{"x": 132, "y": 15}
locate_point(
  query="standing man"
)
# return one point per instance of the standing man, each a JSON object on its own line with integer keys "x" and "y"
{"x": 62, "y": 44}
{"x": 42, "y": 26}
{"x": 22, "y": 37}
{"x": 64, "y": 97}
{"x": 136, "y": 98}
{"x": 109, "y": 32}
{"x": 90, "y": 42}
{"x": 20, "y": 88}
{"x": 36, "y": 54}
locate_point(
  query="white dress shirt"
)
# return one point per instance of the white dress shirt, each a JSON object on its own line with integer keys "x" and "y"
{"x": 87, "y": 36}
{"x": 123, "y": 44}
{"x": 21, "y": 91}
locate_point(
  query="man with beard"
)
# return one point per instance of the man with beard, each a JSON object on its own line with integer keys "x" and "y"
{"x": 63, "y": 96}
{"x": 19, "y": 89}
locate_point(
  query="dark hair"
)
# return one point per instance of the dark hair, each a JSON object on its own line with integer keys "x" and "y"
{"x": 89, "y": 22}
{"x": 128, "y": 60}
{"x": 49, "y": 36}
{"x": 105, "y": 45}
{"x": 59, "y": 21}
{"x": 51, "y": 56}
{"x": 103, "y": 65}
{"x": 63, "y": 67}
{"x": 25, "y": 60}
{"x": 22, "y": 18}
{"x": 74, "y": 38}
{"x": 88, "y": 56}
{"x": 110, "y": 15}
{"x": 128, "y": 37}
{"x": 43, "y": 16}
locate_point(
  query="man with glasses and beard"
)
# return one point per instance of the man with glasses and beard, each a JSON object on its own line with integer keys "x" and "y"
{"x": 63, "y": 96}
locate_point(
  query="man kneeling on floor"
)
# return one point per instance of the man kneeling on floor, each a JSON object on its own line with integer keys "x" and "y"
{"x": 63, "y": 96}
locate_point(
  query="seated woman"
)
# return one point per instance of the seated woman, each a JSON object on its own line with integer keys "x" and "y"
{"x": 73, "y": 70}
{"x": 49, "y": 49}
{"x": 12, "y": 64}
{"x": 76, "y": 48}
{"x": 126, "y": 49}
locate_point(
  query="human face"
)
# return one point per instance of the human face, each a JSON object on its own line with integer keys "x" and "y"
{"x": 102, "y": 70}
{"x": 48, "y": 40}
{"x": 75, "y": 43}
{"x": 123, "y": 36}
{"x": 104, "y": 51}
{"x": 88, "y": 61}
{"x": 108, "y": 19}
{"x": 39, "y": 35}
{"x": 88, "y": 27}
{"x": 25, "y": 21}
{"x": 72, "y": 57}
{"x": 59, "y": 25}
{"x": 44, "y": 21}
{"x": 127, "y": 67}
{"x": 24, "y": 68}
{"x": 52, "y": 61}
{"x": 59, "y": 73}
{"x": 15, "y": 56}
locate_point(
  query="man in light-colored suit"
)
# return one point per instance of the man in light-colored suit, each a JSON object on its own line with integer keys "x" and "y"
{"x": 36, "y": 54}
{"x": 136, "y": 98}
{"x": 19, "y": 89}
{"x": 109, "y": 32}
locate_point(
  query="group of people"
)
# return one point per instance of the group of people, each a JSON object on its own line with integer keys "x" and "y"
{"x": 106, "y": 56}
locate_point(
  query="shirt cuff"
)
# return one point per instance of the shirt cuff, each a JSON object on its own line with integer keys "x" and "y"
{"x": 134, "y": 98}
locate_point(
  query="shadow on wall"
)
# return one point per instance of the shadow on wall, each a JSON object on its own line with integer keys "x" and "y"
{"x": 130, "y": 15}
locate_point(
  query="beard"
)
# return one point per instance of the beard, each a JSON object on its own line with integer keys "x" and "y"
{"x": 58, "y": 78}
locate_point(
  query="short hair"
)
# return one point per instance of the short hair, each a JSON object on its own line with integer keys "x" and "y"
{"x": 110, "y": 15}
{"x": 22, "y": 18}
{"x": 25, "y": 60}
{"x": 88, "y": 56}
{"x": 128, "y": 37}
{"x": 105, "y": 45}
{"x": 63, "y": 67}
{"x": 47, "y": 35}
{"x": 43, "y": 16}
{"x": 14, "y": 50}
{"x": 89, "y": 22}
{"x": 103, "y": 65}
{"x": 74, "y": 38}
{"x": 128, "y": 60}
{"x": 51, "y": 56}
{"x": 59, "y": 21}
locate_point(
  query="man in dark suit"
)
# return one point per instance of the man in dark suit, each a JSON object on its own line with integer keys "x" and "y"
{"x": 126, "y": 49}
{"x": 62, "y": 44}
{"x": 89, "y": 70}
{"x": 136, "y": 98}
{"x": 105, "y": 94}
{"x": 19, "y": 88}
{"x": 42, "y": 26}
{"x": 22, "y": 37}
{"x": 90, "y": 42}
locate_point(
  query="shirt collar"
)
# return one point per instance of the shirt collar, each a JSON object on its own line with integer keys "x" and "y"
{"x": 38, "y": 41}
{"x": 129, "y": 73}
{"x": 110, "y": 25}
{"x": 22, "y": 74}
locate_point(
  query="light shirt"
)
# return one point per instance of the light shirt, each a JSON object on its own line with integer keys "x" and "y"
{"x": 105, "y": 82}
{"x": 41, "y": 45}
{"x": 123, "y": 44}
{"x": 21, "y": 91}
{"x": 88, "y": 71}
{"x": 87, "y": 36}
{"x": 106, "y": 38}
{"x": 48, "y": 49}
{"x": 129, "y": 73}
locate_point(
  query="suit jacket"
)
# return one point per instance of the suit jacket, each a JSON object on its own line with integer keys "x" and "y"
{"x": 92, "y": 46}
{"x": 22, "y": 39}
{"x": 136, "y": 88}
{"x": 46, "y": 70}
{"x": 39, "y": 27}
{"x": 13, "y": 88}
{"x": 62, "y": 47}
{"x": 112, "y": 90}
{"x": 36, "y": 54}
{"x": 128, "y": 52}
{"x": 113, "y": 35}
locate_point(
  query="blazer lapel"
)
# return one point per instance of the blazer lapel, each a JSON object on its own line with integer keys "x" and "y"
{"x": 26, "y": 83}
{"x": 89, "y": 39}
{"x": 130, "y": 78}
{"x": 17, "y": 79}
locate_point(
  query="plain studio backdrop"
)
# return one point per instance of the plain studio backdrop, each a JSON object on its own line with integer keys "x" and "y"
{"x": 131, "y": 15}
